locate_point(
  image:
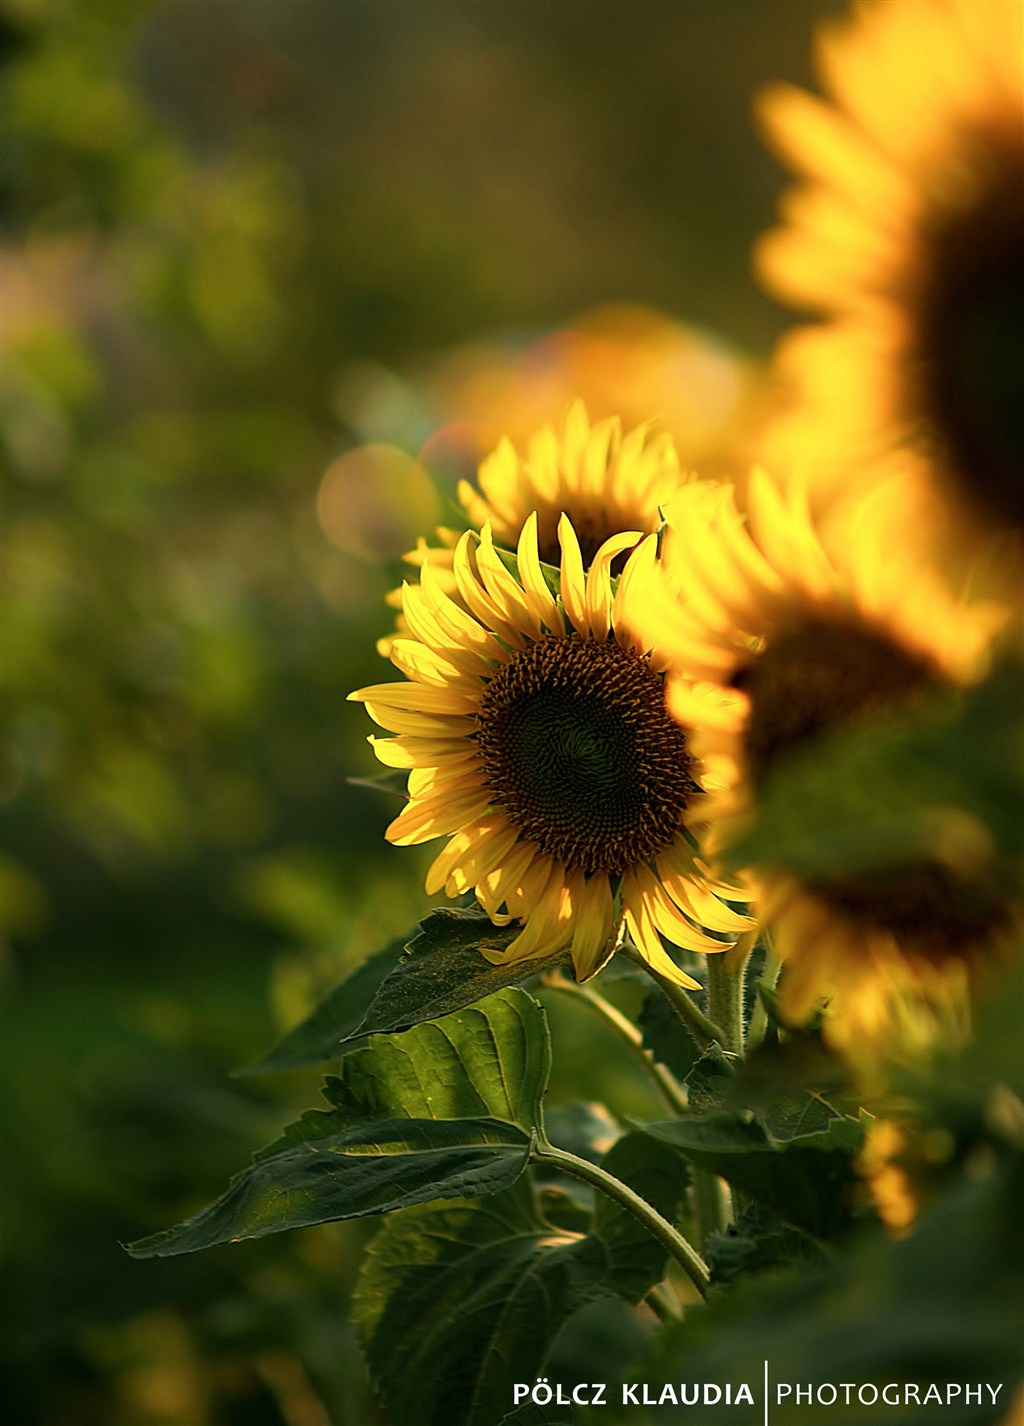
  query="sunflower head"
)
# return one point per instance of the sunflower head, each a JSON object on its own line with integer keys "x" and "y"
{"x": 602, "y": 481}
{"x": 908, "y": 232}
{"x": 534, "y": 728}
{"x": 778, "y": 631}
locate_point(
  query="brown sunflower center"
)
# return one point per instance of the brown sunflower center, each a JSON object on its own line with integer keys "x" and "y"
{"x": 925, "y": 906}
{"x": 972, "y": 338}
{"x": 821, "y": 675}
{"x": 581, "y": 755}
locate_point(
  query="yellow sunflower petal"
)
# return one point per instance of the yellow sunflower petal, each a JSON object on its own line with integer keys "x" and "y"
{"x": 573, "y": 587}
{"x": 416, "y": 698}
{"x": 549, "y": 924}
{"x": 423, "y": 665}
{"x": 541, "y": 600}
{"x": 504, "y": 883}
{"x": 420, "y": 725}
{"x": 699, "y": 903}
{"x": 598, "y": 596}
{"x": 507, "y": 594}
{"x": 490, "y": 841}
{"x": 457, "y": 625}
{"x": 434, "y": 816}
{"x": 647, "y": 941}
{"x": 480, "y": 602}
{"x": 417, "y": 752}
{"x": 594, "y": 918}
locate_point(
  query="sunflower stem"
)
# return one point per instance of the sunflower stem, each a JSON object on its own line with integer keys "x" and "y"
{"x": 665, "y": 1082}
{"x": 759, "y": 1016}
{"x": 659, "y": 1228}
{"x": 725, "y": 991}
{"x": 661, "y": 1302}
{"x": 710, "y": 1206}
{"x": 701, "y": 1029}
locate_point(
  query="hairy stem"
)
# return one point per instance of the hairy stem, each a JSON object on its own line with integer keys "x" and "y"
{"x": 659, "y": 1228}
{"x": 668, "y": 1087}
{"x": 711, "y": 1208}
{"x": 759, "y": 1016}
{"x": 701, "y": 1029}
{"x": 725, "y": 991}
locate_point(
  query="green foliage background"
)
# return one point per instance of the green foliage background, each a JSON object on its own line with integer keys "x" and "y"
{"x": 222, "y": 218}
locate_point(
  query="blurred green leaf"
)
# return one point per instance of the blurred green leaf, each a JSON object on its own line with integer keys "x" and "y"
{"x": 942, "y": 1306}
{"x": 458, "y": 1302}
{"x": 709, "y": 1079}
{"x": 444, "y": 969}
{"x": 388, "y": 1140}
{"x": 634, "y": 1262}
{"x": 759, "y": 1239}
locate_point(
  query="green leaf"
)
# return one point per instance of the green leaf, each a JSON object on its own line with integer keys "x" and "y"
{"x": 459, "y": 1302}
{"x": 710, "y": 1080}
{"x": 759, "y": 1239}
{"x": 635, "y": 1262}
{"x": 760, "y": 1127}
{"x": 336, "y": 1018}
{"x": 493, "y": 1058}
{"x": 444, "y": 969}
{"x": 351, "y": 1173}
{"x": 943, "y": 1305}
{"x": 806, "y": 1179}
{"x": 663, "y": 1032}
{"x": 800, "y": 1091}
{"x": 448, "y": 1110}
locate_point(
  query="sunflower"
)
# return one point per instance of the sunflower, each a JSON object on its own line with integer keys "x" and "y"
{"x": 908, "y": 233}
{"x": 604, "y": 482}
{"x": 775, "y": 633}
{"x": 534, "y": 730}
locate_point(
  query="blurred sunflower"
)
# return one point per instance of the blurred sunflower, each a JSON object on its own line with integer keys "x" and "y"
{"x": 537, "y": 740}
{"x": 605, "y": 483}
{"x": 776, "y": 634}
{"x": 909, "y": 232}
{"x": 622, "y": 360}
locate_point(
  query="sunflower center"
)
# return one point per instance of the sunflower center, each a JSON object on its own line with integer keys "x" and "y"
{"x": 592, "y": 525}
{"x": 972, "y": 339}
{"x": 581, "y": 755}
{"x": 924, "y": 905}
{"x": 820, "y": 675}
